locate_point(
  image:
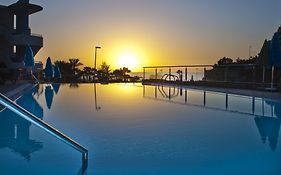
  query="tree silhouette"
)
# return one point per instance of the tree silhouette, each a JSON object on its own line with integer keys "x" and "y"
{"x": 104, "y": 68}
{"x": 75, "y": 63}
{"x": 224, "y": 61}
{"x": 122, "y": 74}
{"x": 88, "y": 72}
{"x": 64, "y": 66}
{"x": 118, "y": 74}
{"x": 69, "y": 70}
{"x": 180, "y": 74}
{"x": 71, "y": 73}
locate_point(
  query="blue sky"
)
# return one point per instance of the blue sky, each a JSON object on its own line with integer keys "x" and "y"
{"x": 163, "y": 31}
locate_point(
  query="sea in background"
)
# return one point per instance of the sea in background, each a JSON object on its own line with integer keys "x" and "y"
{"x": 197, "y": 76}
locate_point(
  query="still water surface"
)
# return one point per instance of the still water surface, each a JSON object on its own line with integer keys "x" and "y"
{"x": 135, "y": 129}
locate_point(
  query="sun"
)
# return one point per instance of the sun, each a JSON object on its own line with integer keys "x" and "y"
{"x": 128, "y": 60}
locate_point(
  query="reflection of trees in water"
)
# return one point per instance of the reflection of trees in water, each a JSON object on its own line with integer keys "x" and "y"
{"x": 15, "y": 131}
{"x": 74, "y": 85}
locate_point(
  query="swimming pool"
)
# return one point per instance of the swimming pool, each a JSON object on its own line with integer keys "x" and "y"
{"x": 135, "y": 129}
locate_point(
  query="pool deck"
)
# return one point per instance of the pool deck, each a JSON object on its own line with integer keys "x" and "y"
{"x": 235, "y": 91}
{"x": 13, "y": 91}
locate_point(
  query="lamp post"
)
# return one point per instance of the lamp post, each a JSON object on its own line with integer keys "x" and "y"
{"x": 96, "y": 48}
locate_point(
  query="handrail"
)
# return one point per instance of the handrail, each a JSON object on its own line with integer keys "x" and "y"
{"x": 200, "y": 65}
{"x": 5, "y": 101}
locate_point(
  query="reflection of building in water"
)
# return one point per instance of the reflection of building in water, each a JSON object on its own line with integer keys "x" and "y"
{"x": 269, "y": 128}
{"x": 15, "y": 131}
{"x": 275, "y": 107}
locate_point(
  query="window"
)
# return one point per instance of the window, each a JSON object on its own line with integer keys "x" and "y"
{"x": 15, "y": 49}
{"x": 15, "y": 21}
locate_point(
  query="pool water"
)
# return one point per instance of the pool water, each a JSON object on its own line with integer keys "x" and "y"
{"x": 135, "y": 129}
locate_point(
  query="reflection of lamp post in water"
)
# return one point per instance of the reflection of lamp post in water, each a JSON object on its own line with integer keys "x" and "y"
{"x": 95, "y": 96}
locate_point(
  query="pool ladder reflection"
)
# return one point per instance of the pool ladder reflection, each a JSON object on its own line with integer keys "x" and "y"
{"x": 9, "y": 104}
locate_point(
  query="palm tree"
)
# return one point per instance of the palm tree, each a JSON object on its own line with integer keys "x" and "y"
{"x": 118, "y": 74}
{"x": 122, "y": 74}
{"x": 74, "y": 63}
{"x": 104, "y": 68}
{"x": 69, "y": 69}
{"x": 88, "y": 72}
{"x": 125, "y": 70}
{"x": 103, "y": 72}
{"x": 180, "y": 74}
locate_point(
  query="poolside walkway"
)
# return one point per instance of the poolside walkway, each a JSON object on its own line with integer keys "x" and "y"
{"x": 13, "y": 91}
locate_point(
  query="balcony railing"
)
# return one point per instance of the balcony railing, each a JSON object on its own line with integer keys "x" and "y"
{"x": 37, "y": 35}
{"x": 31, "y": 34}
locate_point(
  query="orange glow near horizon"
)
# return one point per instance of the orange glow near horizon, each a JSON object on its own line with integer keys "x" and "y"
{"x": 149, "y": 33}
{"x": 128, "y": 56}
{"x": 129, "y": 60}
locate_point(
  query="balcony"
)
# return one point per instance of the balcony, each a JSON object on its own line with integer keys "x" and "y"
{"x": 24, "y": 39}
{"x": 32, "y": 8}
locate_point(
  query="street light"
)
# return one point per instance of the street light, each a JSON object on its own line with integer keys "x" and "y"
{"x": 96, "y": 48}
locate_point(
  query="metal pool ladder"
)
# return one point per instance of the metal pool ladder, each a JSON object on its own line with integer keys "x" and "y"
{"x": 5, "y": 101}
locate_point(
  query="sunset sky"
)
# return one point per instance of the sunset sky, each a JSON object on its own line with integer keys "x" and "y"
{"x": 153, "y": 32}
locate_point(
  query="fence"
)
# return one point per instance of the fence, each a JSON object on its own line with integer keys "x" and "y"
{"x": 231, "y": 73}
